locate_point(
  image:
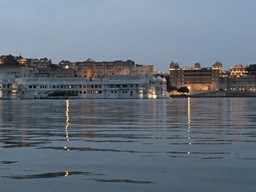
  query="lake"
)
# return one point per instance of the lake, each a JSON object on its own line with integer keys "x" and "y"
{"x": 181, "y": 144}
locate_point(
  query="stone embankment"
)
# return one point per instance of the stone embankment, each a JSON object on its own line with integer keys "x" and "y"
{"x": 225, "y": 94}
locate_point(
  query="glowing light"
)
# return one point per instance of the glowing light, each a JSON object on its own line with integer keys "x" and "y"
{"x": 189, "y": 116}
{"x": 66, "y": 67}
{"x": 67, "y": 124}
{"x": 67, "y": 118}
{"x": 189, "y": 113}
{"x": 66, "y": 173}
{"x": 66, "y": 148}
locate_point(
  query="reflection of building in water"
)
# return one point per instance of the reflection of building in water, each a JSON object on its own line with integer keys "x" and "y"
{"x": 189, "y": 113}
{"x": 236, "y": 118}
{"x": 15, "y": 135}
{"x": 67, "y": 123}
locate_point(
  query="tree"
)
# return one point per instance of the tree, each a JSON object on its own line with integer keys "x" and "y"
{"x": 252, "y": 69}
{"x": 11, "y": 60}
{"x": 183, "y": 90}
{"x": 171, "y": 88}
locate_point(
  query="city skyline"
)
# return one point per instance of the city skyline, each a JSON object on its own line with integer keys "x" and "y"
{"x": 156, "y": 32}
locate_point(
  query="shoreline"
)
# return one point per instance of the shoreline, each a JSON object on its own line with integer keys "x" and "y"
{"x": 217, "y": 94}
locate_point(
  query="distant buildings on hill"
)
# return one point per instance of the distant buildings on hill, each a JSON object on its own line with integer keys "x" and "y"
{"x": 96, "y": 69}
{"x": 25, "y": 67}
{"x": 194, "y": 80}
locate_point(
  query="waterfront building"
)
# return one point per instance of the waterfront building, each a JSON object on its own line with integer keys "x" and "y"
{"x": 196, "y": 79}
{"x": 240, "y": 79}
{"x": 113, "y": 87}
{"x": 8, "y": 86}
{"x": 238, "y": 84}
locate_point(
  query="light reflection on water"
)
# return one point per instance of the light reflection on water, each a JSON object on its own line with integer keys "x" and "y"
{"x": 128, "y": 145}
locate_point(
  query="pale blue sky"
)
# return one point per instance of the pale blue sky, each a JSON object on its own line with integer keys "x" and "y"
{"x": 146, "y": 31}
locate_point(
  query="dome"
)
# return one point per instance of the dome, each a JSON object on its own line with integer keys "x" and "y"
{"x": 174, "y": 65}
{"x": 89, "y": 59}
{"x": 217, "y": 64}
{"x": 197, "y": 66}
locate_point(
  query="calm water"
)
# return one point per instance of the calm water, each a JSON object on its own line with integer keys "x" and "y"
{"x": 128, "y": 145}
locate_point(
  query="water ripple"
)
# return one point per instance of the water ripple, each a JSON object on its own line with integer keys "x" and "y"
{"x": 50, "y": 175}
{"x": 130, "y": 181}
{"x": 8, "y": 162}
{"x": 90, "y": 149}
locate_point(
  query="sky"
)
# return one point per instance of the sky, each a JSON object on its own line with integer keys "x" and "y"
{"x": 145, "y": 31}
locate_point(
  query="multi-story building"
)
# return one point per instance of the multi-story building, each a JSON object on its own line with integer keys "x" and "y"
{"x": 8, "y": 87}
{"x": 238, "y": 84}
{"x": 10, "y": 66}
{"x": 18, "y": 71}
{"x": 143, "y": 69}
{"x": 196, "y": 79}
{"x": 39, "y": 63}
{"x": 238, "y": 70}
{"x": 91, "y": 68}
{"x": 94, "y": 69}
{"x": 239, "y": 79}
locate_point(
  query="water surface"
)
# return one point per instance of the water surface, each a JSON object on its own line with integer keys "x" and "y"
{"x": 189, "y": 144}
